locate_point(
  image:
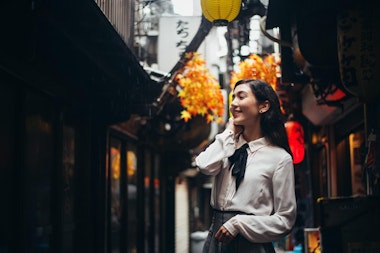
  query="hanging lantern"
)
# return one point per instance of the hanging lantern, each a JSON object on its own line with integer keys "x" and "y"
{"x": 220, "y": 12}
{"x": 296, "y": 140}
{"x": 358, "y": 50}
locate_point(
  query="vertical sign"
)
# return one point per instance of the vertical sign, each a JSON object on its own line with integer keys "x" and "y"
{"x": 358, "y": 50}
{"x": 175, "y": 34}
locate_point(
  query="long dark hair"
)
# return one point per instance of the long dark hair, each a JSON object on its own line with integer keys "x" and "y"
{"x": 272, "y": 121}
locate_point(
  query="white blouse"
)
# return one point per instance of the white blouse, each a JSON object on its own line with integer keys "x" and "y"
{"x": 266, "y": 194}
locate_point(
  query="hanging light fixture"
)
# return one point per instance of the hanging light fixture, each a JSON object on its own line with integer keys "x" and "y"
{"x": 220, "y": 12}
{"x": 295, "y": 133}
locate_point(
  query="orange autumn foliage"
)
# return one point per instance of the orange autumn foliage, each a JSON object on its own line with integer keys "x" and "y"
{"x": 256, "y": 67}
{"x": 199, "y": 91}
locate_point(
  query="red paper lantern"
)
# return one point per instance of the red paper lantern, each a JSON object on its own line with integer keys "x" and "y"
{"x": 296, "y": 140}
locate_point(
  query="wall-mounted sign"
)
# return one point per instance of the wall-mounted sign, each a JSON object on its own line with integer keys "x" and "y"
{"x": 175, "y": 34}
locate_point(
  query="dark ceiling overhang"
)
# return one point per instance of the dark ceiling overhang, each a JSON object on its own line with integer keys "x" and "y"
{"x": 311, "y": 27}
{"x": 310, "y": 54}
{"x": 69, "y": 49}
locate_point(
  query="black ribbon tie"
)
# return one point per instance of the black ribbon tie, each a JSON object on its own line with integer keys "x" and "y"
{"x": 239, "y": 160}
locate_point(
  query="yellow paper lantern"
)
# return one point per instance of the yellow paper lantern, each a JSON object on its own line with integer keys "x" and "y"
{"x": 220, "y": 12}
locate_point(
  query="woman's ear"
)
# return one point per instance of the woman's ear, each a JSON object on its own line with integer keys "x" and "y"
{"x": 263, "y": 107}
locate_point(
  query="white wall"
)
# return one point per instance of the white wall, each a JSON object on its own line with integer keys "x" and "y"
{"x": 182, "y": 229}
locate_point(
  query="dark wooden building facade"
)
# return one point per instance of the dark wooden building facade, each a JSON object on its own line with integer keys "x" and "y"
{"x": 74, "y": 174}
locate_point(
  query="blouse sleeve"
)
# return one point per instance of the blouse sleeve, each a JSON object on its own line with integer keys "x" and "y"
{"x": 211, "y": 160}
{"x": 268, "y": 228}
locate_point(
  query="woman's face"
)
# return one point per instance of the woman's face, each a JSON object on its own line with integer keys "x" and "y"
{"x": 244, "y": 106}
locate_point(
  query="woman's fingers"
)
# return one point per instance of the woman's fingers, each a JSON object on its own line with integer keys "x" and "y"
{"x": 223, "y": 235}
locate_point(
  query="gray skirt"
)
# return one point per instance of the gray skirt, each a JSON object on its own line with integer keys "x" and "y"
{"x": 238, "y": 245}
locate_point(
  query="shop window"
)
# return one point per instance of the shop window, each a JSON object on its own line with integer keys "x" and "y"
{"x": 68, "y": 173}
{"x": 115, "y": 196}
{"x": 131, "y": 207}
{"x": 134, "y": 196}
{"x": 73, "y": 185}
{"x": 123, "y": 202}
{"x": 357, "y": 145}
{"x": 39, "y": 151}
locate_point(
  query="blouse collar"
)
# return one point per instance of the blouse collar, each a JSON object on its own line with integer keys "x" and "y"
{"x": 253, "y": 145}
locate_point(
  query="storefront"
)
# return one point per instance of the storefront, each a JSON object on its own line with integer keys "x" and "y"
{"x": 71, "y": 178}
{"x": 339, "y": 110}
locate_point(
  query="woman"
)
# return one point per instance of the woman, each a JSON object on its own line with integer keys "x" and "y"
{"x": 253, "y": 194}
